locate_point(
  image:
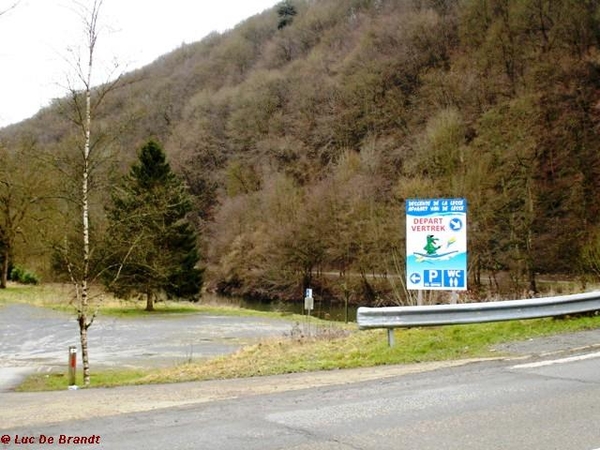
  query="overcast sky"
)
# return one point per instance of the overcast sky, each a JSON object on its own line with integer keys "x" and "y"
{"x": 35, "y": 37}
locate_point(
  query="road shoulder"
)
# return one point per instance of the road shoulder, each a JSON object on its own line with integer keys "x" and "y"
{"x": 24, "y": 409}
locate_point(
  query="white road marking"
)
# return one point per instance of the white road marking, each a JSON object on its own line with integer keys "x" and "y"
{"x": 557, "y": 361}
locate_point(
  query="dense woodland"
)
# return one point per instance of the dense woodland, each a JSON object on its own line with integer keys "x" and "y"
{"x": 301, "y": 132}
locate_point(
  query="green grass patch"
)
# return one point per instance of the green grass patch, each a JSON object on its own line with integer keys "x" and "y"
{"x": 60, "y": 297}
{"x": 130, "y": 309}
{"x": 104, "y": 378}
{"x": 34, "y": 295}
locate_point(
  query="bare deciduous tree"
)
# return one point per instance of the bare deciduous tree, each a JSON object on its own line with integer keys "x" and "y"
{"x": 83, "y": 103}
{"x": 21, "y": 188}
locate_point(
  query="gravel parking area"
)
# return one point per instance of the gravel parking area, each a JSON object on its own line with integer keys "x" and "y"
{"x": 36, "y": 339}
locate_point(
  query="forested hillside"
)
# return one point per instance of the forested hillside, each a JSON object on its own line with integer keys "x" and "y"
{"x": 301, "y": 132}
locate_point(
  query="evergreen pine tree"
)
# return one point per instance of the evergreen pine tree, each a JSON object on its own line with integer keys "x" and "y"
{"x": 152, "y": 245}
{"x": 286, "y": 12}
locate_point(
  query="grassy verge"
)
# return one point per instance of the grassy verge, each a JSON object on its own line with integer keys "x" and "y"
{"x": 335, "y": 348}
{"x": 59, "y": 381}
{"x": 58, "y": 297}
{"x": 338, "y": 350}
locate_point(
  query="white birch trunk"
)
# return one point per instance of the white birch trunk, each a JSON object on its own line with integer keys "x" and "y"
{"x": 84, "y": 323}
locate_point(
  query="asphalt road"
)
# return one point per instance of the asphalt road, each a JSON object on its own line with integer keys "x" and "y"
{"x": 37, "y": 340}
{"x": 529, "y": 403}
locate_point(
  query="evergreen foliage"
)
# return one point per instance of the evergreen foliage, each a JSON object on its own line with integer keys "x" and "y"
{"x": 286, "y": 12}
{"x": 23, "y": 276}
{"x": 152, "y": 244}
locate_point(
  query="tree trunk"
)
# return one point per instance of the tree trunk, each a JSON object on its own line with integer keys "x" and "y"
{"x": 84, "y": 301}
{"x": 477, "y": 272}
{"x": 533, "y": 290}
{"x": 83, "y": 336}
{"x": 4, "y": 275}
{"x": 85, "y": 209}
{"x": 150, "y": 302}
{"x": 4, "y": 270}
{"x": 368, "y": 291}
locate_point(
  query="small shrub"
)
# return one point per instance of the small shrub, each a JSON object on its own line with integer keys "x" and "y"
{"x": 23, "y": 276}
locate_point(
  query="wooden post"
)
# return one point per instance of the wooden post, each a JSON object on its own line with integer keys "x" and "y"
{"x": 72, "y": 366}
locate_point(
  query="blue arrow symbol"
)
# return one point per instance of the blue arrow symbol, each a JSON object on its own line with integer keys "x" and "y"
{"x": 415, "y": 278}
{"x": 456, "y": 224}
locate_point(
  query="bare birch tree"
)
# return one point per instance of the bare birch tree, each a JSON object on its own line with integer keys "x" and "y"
{"x": 82, "y": 288}
{"x": 83, "y": 102}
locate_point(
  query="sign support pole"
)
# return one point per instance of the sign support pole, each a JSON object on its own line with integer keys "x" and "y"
{"x": 309, "y": 304}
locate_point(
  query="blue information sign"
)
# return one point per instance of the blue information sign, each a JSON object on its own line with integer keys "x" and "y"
{"x": 436, "y": 244}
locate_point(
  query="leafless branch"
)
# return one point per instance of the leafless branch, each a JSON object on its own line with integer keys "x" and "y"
{"x": 10, "y": 8}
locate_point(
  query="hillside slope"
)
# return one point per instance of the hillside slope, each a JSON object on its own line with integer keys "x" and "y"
{"x": 300, "y": 140}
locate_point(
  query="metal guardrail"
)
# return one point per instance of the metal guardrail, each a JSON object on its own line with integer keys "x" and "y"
{"x": 463, "y": 313}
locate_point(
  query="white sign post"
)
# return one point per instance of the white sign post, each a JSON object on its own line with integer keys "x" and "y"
{"x": 309, "y": 301}
{"x": 309, "y": 305}
{"x": 436, "y": 244}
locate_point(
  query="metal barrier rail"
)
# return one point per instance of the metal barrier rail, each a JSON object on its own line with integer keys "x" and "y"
{"x": 433, "y": 315}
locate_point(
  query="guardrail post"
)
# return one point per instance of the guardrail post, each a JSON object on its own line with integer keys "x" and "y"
{"x": 391, "y": 341}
